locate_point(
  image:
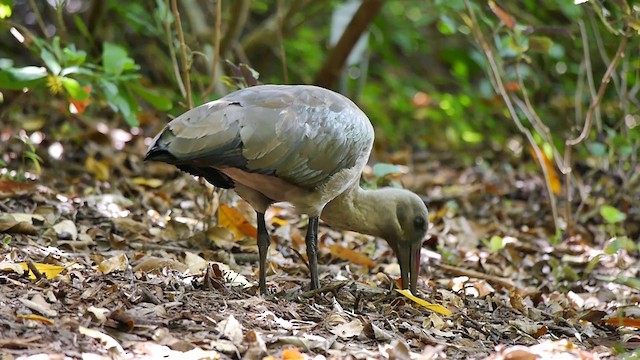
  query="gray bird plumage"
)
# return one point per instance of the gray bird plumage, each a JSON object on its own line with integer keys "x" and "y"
{"x": 301, "y": 144}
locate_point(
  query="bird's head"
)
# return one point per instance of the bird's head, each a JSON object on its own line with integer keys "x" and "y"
{"x": 406, "y": 236}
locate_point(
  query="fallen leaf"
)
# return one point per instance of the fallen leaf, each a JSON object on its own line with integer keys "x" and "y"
{"x": 292, "y": 354}
{"x": 233, "y": 220}
{"x": 433, "y": 307}
{"x": 504, "y": 16}
{"x": 106, "y": 340}
{"x": 115, "y": 263}
{"x": 66, "y": 230}
{"x": 231, "y": 329}
{"x": 554, "y": 178}
{"x": 9, "y": 266}
{"x": 36, "y": 317}
{"x": 348, "y": 330}
{"x": 628, "y": 322}
{"x": 351, "y": 255}
{"x": 99, "y": 168}
{"x": 153, "y": 183}
{"x": 48, "y": 270}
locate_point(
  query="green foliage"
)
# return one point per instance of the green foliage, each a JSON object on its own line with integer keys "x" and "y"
{"x": 612, "y": 215}
{"x": 68, "y": 70}
{"x": 495, "y": 244}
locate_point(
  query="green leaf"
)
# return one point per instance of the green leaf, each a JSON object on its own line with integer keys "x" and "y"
{"x": 496, "y": 243}
{"x": 19, "y": 78}
{"x": 597, "y": 149}
{"x": 156, "y": 100}
{"x": 82, "y": 27}
{"x": 6, "y": 8}
{"x": 611, "y": 214}
{"x": 383, "y": 169}
{"x": 74, "y": 88}
{"x": 620, "y": 243}
{"x": 115, "y": 59}
{"x": 540, "y": 44}
{"x": 50, "y": 62}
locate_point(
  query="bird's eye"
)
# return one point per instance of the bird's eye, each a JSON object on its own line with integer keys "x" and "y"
{"x": 420, "y": 223}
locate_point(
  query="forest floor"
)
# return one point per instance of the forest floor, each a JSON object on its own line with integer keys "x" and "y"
{"x": 134, "y": 263}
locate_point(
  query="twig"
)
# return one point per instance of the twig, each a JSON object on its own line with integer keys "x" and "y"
{"x": 35, "y": 271}
{"x": 478, "y": 275}
{"x": 216, "y": 48}
{"x": 333, "y": 287}
{"x": 330, "y": 71}
{"x": 183, "y": 53}
{"x": 36, "y": 11}
{"x": 172, "y": 52}
{"x": 587, "y": 63}
{"x": 237, "y": 20}
{"x": 595, "y": 103}
{"x": 283, "y": 55}
{"x": 495, "y": 72}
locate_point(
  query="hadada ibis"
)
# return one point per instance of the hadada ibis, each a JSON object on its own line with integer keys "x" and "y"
{"x": 300, "y": 144}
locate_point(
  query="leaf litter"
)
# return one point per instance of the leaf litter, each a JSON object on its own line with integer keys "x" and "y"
{"x": 140, "y": 261}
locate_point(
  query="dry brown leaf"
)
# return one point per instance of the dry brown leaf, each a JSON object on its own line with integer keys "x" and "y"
{"x": 233, "y": 220}
{"x": 554, "y": 178}
{"x": 17, "y": 227}
{"x": 508, "y": 20}
{"x": 99, "y": 168}
{"x": 116, "y": 263}
{"x": 351, "y": 255}
{"x": 292, "y": 354}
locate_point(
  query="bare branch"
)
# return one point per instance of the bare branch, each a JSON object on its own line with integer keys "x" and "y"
{"x": 500, "y": 89}
{"x": 183, "y": 53}
{"x": 239, "y": 15}
{"x": 330, "y": 71}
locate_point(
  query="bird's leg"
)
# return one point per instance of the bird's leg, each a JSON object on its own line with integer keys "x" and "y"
{"x": 312, "y": 250}
{"x": 263, "y": 248}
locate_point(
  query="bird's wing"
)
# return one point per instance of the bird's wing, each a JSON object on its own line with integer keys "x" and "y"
{"x": 301, "y": 134}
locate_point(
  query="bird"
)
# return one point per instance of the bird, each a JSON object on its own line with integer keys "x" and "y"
{"x": 300, "y": 144}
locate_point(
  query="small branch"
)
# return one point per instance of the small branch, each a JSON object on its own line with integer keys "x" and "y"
{"x": 595, "y": 103}
{"x": 330, "y": 71}
{"x": 172, "y": 52}
{"x": 496, "y": 280}
{"x": 238, "y": 18}
{"x": 216, "y": 48}
{"x": 183, "y": 53}
{"x": 587, "y": 63}
{"x": 36, "y": 12}
{"x": 283, "y": 55}
{"x": 500, "y": 89}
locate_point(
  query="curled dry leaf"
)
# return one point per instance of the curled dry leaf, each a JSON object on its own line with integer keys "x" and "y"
{"x": 348, "y": 330}
{"x": 150, "y": 264}
{"x": 231, "y": 329}
{"x": 115, "y": 263}
{"x": 351, "y": 255}
{"x": 66, "y": 230}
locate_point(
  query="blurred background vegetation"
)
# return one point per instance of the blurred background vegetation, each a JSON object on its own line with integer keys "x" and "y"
{"x": 514, "y": 81}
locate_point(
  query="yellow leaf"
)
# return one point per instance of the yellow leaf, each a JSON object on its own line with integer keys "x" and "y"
{"x": 352, "y": 256}
{"x": 278, "y": 221}
{"x": 554, "y": 178}
{"x": 48, "y": 270}
{"x": 99, "y": 168}
{"x": 233, "y": 220}
{"x": 35, "y": 317}
{"x": 292, "y": 354}
{"x": 152, "y": 183}
{"x": 437, "y": 308}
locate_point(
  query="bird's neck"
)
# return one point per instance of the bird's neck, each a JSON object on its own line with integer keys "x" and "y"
{"x": 359, "y": 210}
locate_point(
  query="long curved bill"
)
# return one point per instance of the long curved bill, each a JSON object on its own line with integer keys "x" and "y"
{"x": 409, "y": 260}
